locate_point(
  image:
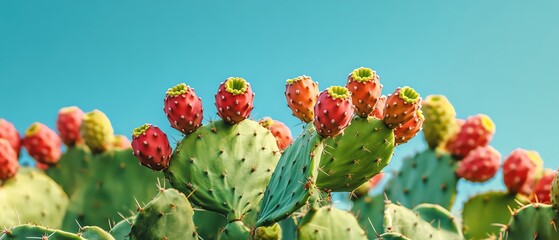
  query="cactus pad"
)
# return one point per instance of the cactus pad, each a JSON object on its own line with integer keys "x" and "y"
{"x": 370, "y": 211}
{"x": 329, "y": 223}
{"x": 28, "y": 231}
{"x": 534, "y": 221}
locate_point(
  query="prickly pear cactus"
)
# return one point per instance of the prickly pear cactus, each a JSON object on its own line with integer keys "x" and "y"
{"x": 329, "y": 223}
{"x": 393, "y": 236}
{"x": 484, "y": 212}
{"x": 235, "y": 230}
{"x": 533, "y": 221}
{"x": 440, "y": 122}
{"x": 224, "y": 168}
{"x": 353, "y": 158}
{"x": 273, "y": 232}
{"x": 369, "y": 212}
{"x": 209, "y": 224}
{"x": 28, "y": 231}
{"x": 426, "y": 221}
{"x": 431, "y": 172}
{"x": 293, "y": 180}
{"x": 121, "y": 230}
{"x": 555, "y": 192}
{"x": 72, "y": 170}
{"x": 167, "y": 216}
{"x": 31, "y": 197}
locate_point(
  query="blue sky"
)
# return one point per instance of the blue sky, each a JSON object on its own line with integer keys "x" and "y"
{"x": 494, "y": 57}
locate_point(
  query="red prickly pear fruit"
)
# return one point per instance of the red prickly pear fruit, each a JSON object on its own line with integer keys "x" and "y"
{"x": 542, "y": 190}
{"x": 458, "y": 125}
{"x": 183, "y": 108}
{"x": 477, "y": 131}
{"x": 42, "y": 166}
{"x": 8, "y": 160}
{"x": 301, "y": 94}
{"x": 42, "y": 144}
{"x": 409, "y": 130}
{"x": 374, "y": 181}
{"x": 365, "y": 88}
{"x": 121, "y": 142}
{"x": 401, "y": 106}
{"x": 151, "y": 147}
{"x": 364, "y": 189}
{"x": 68, "y": 124}
{"x": 9, "y": 133}
{"x": 480, "y": 165}
{"x": 333, "y": 111}
{"x": 234, "y": 100}
{"x": 378, "y": 110}
{"x": 521, "y": 171}
{"x": 280, "y": 131}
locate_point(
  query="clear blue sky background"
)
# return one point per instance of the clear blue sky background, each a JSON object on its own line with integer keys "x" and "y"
{"x": 495, "y": 57}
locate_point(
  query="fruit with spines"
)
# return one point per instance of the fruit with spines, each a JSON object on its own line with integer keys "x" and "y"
{"x": 477, "y": 131}
{"x": 407, "y": 131}
{"x": 151, "y": 147}
{"x": 480, "y": 165}
{"x": 183, "y": 108}
{"x": 97, "y": 131}
{"x": 333, "y": 111}
{"x": 542, "y": 190}
{"x": 329, "y": 223}
{"x": 521, "y": 171}
{"x": 42, "y": 144}
{"x": 378, "y": 110}
{"x": 401, "y": 106}
{"x": 301, "y": 94}
{"x": 10, "y": 134}
{"x": 68, "y": 125}
{"x": 280, "y": 131}
{"x": 234, "y": 100}
{"x": 121, "y": 142}
{"x": 440, "y": 124}
{"x": 8, "y": 161}
{"x": 365, "y": 88}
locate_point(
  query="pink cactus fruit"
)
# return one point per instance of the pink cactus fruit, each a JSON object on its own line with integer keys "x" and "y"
{"x": 151, "y": 147}
{"x": 365, "y": 88}
{"x": 8, "y": 160}
{"x": 280, "y": 131}
{"x": 459, "y": 123}
{"x": 301, "y": 94}
{"x": 542, "y": 190}
{"x": 183, "y": 108}
{"x": 234, "y": 100}
{"x": 374, "y": 181}
{"x": 68, "y": 125}
{"x": 480, "y": 165}
{"x": 401, "y": 106}
{"x": 121, "y": 142}
{"x": 409, "y": 130}
{"x": 333, "y": 111}
{"x": 378, "y": 110}
{"x": 42, "y": 144}
{"x": 9, "y": 133}
{"x": 521, "y": 171}
{"x": 477, "y": 131}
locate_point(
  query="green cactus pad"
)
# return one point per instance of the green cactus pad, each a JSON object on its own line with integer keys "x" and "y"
{"x": 555, "y": 191}
{"x": 167, "y": 216}
{"x": 224, "y": 167}
{"x": 429, "y": 172}
{"x": 28, "y": 231}
{"x": 97, "y": 131}
{"x": 534, "y": 221}
{"x": 95, "y": 233}
{"x": 482, "y": 213}
{"x": 114, "y": 181}
{"x": 370, "y": 210}
{"x": 440, "y": 123}
{"x": 209, "y": 224}
{"x": 235, "y": 230}
{"x": 426, "y": 221}
{"x": 393, "y": 236}
{"x": 293, "y": 180}
{"x": 351, "y": 159}
{"x": 329, "y": 223}
{"x": 31, "y": 197}
{"x": 268, "y": 233}
{"x": 121, "y": 231}
{"x": 72, "y": 170}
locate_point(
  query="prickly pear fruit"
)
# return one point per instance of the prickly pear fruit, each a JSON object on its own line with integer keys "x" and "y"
{"x": 68, "y": 125}
{"x": 183, "y": 108}
{"x": 97, "y": 131}
{"x": 279, "y": 130}
{"x": 8, "y": 160}
{"x": 301, "y": 94}
{"x": 409, "y": 130}
{"x": 268, "y": 233}
{"x": 378, "y": 110}
{"x": 401, "y": 106}
{"x": 542, "y": 190}
{"x": 477, "y": 131}
{"x": 480, "y": 165}
{"x": 10, "y": 134}
{"x": 333, "y": 111}
{"x": 42, "y": 144}
{"x": 555, "y": 192}
{"x": 450, "y": 142}
{"x": 440, "y": 122}
{"x": 121, "y": 142}
{"x": 151, "y": 147}
{"x": 365, "y": 88}
{"x": 234, "y": 100}
{"x": 521, "y": 171}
